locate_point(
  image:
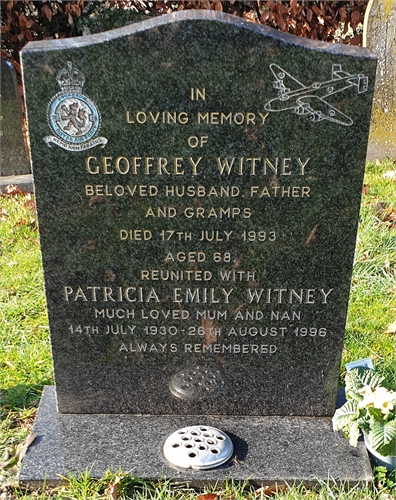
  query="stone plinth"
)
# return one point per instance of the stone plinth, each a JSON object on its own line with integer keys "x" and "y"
{"x": 268, "y": 450}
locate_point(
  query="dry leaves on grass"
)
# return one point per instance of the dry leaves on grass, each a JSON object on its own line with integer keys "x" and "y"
{"x": 12, "y": 190}
{"x": 31, "y": 223}
{"x": 386, "y": 214}
{"x": 11, "y": 456}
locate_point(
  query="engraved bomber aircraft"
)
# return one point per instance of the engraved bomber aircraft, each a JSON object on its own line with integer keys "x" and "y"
{"x": 310, "y": 101}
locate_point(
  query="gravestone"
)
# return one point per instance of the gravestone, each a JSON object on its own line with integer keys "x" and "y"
{"x": 13, "y": 153}
{"x": 198, "y": 183}
{"x": 380, "y": 36}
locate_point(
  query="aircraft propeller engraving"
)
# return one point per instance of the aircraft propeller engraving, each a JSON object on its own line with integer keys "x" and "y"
{"x": 310, "y": 101}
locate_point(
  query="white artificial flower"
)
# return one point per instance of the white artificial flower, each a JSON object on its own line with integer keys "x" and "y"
{"x": 368, "y": 394}
{"x": 384, "y": 400}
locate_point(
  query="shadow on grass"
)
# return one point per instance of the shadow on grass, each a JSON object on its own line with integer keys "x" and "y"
{"x": 22, "y": 396}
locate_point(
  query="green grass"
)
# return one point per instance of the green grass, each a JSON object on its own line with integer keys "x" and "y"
{"x": 372, "y": 304}
{"x": 24, "y": 347}
{"x": 25, "y": 364}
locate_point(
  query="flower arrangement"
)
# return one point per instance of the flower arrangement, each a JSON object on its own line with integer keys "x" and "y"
{"x": 370, "y": 407}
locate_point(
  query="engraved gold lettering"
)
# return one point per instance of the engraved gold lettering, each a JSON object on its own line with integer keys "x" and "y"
{"x": 262, "y": 166}
{"x": 146, "y": 165}
{"x": 110, "y": 294}
{"x": 197, "y": 94}
{"x": 231, "y": 348}
{"x": 217, "y": 213}
{"x": 135, "y": 234}
{"x": 165, "y": 212}
{"x": 125, "y": 161}
{"x": 263, "y": 117}
{"x": 156, "y": 117}
{"x": 290, "y": 296}
{"x": 202, "y": 295}
{"x": 89, "y": 167}
{"x": 280, "y": 191}
{"x": 185, "y": 257}
{"x": 302, "y": 165}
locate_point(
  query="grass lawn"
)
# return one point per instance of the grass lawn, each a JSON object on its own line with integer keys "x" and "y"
{"x": 25, "y": 362}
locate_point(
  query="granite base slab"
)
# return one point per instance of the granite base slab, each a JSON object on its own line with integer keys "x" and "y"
{"x": 267, "y": 450}
{"x": 24, "y": 182}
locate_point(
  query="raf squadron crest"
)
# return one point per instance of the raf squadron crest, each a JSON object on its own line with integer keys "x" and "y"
{"x": 72, "y": 116}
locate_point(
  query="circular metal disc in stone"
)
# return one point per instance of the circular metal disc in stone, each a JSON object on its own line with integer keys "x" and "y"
{"x": 198, "y": 447}
{"x": 195, "y": 382}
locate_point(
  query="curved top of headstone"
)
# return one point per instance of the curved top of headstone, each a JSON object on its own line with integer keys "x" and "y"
{"x": 198, "y": 15}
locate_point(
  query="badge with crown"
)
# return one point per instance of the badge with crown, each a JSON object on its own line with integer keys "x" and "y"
{"x": 72, "y": 116}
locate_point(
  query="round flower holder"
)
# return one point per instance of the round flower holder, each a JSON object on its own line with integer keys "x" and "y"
{"x": 389, "y": 462}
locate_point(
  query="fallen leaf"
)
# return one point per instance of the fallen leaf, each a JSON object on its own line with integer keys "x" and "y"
{"x": 30, "y": 205}
{"x": 343, "y": 14}
{"x": 205, "y": 4}
{"x": 293, "y": 6}
{"x": 3, "y": 213}
{"x": 390, "y": 329}
{"x": 22, "y": 20}
{"x": 45, "y": 10}
{"x": 280, "y": 22}
{"x": 390, "y": 174}
{"x": 111, "y": 489}
{"x": 282, "y": 9}
{"x": 269, "y": 491}
{"x": 355, "y": 19}
{"x": 264, "y": 16}
{"x": 317, "y": 11}
{"x": 32, "y": 224}
{"x": 23, "y": 447}
{"x": 207, "y": 496}
{"x": 380, "y": 206}
{"x": 217, "y": 6}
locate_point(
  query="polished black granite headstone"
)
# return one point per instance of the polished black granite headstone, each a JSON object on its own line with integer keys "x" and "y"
{"x": 198, "y": 182}
{"x": 13, "y": 153}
